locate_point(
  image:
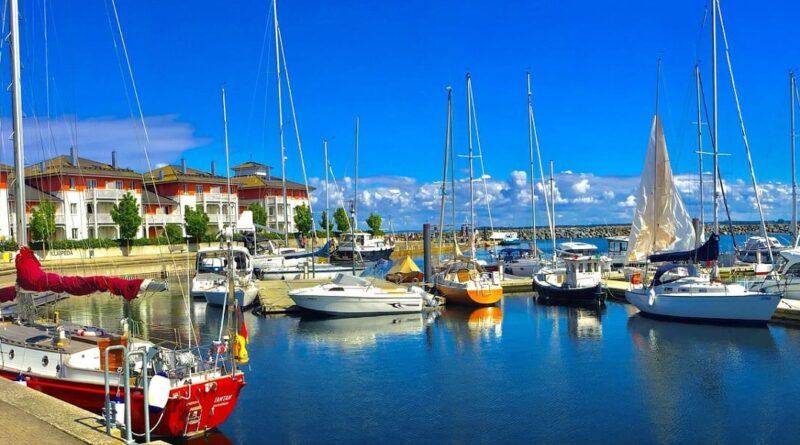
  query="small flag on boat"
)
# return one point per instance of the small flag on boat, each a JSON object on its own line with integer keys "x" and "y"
{"x": 243, "y": 331}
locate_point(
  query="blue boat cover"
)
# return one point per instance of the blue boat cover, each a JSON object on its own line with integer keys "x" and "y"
{"x": 707, "y": 252}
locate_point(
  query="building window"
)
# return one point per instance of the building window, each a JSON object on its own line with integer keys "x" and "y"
{"x": 133, "y": 185}
{"x": 75, "y": 233}
{"x": 119, "y": 185}
{"x": 72, "y": 183}
{"x": 166, "y": 210}
{"x": 185, "y": 189}
{"x": 73, "y": 209}
{"x": 198, "y": 189}
{"x": 89, "y": 209}
{"x": 91, "y": 183}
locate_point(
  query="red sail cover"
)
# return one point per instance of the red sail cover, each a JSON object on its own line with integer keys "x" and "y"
{"x": 31, "y": 277}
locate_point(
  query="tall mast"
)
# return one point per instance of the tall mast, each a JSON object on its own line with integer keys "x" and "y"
{"x": 553, "y": 210}
{"x": 792, "y": 89}
{"x": 327, "y": 205}
{"x": 530, "y": 150}
{"x": 21, "y": 233}
{"x": 447, "y": 141}
{"x": 714, "y": 128}
{"x": 355, "y": 182}
{"x": 227, "y": 157}
{"x": 700, "y": 152}
{"x": 471, "y": 200}
{"x": 655, "y": 159}
{"x": 280, "y": 123}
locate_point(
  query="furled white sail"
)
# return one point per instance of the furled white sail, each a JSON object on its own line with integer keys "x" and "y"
{"x": 661, "y": 222}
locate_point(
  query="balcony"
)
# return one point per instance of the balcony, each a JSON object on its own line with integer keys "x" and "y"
{"x": 104, "y": 194}
{"x": 216, "y": 198}
{"x": 163, "y": 219}
{"x": 60, "y": 219}
{"x": 99, "y": 218}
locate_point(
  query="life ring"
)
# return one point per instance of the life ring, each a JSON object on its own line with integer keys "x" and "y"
{"x": 90, "y": 332}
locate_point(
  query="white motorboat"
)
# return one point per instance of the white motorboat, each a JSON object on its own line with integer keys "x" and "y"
{"x": 349, "y": 295}
{"x": 581, "y": 281}
{"x": 786, "y": 280}
{"x": 573, "y": 248}
{"x": 677, "y": 291}
{"x": 211, "y": 280}
{"x": 309, "y": 270}
{"x": 364, "y": 246}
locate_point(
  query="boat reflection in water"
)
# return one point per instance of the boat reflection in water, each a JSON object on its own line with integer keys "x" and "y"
{"x": 213, "y": 437}
{"x": 584, "y": 319}
{"x": 360, "y": 332}
{"x": 718, "y": 361}
{"x": 475, "y": 323}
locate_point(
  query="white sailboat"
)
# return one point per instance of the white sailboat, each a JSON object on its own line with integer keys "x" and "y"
{"x": 662, "y": 223}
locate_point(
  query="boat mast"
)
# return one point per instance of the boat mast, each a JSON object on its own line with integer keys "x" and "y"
{"x": 280, "y": 124}
{"x": 21, "y": 233}
{"x": 471, "y": 191}
{"x": 327, "y": 204}
{"x": 699, "y": 154}
{"x": 530, "y": 153}
{"x": 792, "y": 89}
{"x": 553, "y": 210}
{"x": 714, "y": 129}
{"x": 655, "y": 160}
{"x": 447, "y": 141}
{"x": 355, "y": 182}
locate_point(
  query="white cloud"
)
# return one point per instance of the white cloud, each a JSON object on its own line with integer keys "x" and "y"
{"x": 581, "y": 186}
{"x": 519, "y": 177}
{"x": 630, "y": 201}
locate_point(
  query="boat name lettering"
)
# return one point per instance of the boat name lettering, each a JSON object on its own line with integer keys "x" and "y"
{"x": 223, "y": 398}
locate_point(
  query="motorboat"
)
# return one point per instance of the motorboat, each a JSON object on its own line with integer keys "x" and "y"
{"x": 505, "y": 238}
{"x": 349, "y": 295}
{"x": 572, "y": 248}
{"x": 786, "y": 279}
{"x": 757, "y": 251}
{"x": 581, "y": 281}
{"x": 211, "y": 280}
{"x": 464, "y": 281}
{"x": 308, "y": 269}
{"x": 364, "y": 246}
{"x": 617, "y": 250}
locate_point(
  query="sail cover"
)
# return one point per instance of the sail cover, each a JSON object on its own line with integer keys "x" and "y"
{"x": 707, "y": 252}
{"x": 31, "y": 277}
{"x": 660, "y": 222}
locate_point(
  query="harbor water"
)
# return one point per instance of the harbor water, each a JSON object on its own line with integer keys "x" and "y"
{"x": 517, "y": 373}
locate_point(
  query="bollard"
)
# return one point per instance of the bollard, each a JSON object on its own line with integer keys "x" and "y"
{"x": 426, "y": 252}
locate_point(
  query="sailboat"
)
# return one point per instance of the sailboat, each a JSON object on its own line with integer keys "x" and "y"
{"x": 79, "y": 364}
{"x": 463, "y": 280}
{"x": 661, "y": 223}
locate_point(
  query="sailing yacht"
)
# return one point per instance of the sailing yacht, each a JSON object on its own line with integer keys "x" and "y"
{"x": 661, "y": 223}
{"x": 463, "y": 280}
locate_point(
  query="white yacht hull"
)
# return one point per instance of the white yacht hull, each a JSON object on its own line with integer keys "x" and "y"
{"x": 358, "y": 304}
{"x": 748, "y": 307}
{"x": 323, "y": 271}
{"x": 245, "y": 297}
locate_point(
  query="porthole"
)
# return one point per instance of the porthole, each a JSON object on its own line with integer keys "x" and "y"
{"x": 58, "y": 369}
{"x": 45, "y": 361}
{"x": 11, "y": 354}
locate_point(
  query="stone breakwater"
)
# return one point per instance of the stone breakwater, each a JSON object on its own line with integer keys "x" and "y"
{"x": 567, "y": 232}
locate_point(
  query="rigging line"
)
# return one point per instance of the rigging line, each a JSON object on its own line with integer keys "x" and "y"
{"x": 444, "y": 173}
{"x": 718, "y": 175}
{"x": 267, "y": 38}
{"x": 297, "y": 136}
{"x": 532, "y": 179}
{"x": 2, "y": 45}
{"x": 144, "y": 129}
{"x": 744, "y": 133}
{"x": 480, "y": 156}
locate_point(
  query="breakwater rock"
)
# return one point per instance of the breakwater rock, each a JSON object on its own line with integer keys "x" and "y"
{"x": 573, "y": 232}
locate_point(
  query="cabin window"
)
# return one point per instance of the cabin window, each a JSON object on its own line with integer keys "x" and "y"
{"x": 91, "y": 183}
{"x": 793, "y": 271}
{"x": 45, "y": 361}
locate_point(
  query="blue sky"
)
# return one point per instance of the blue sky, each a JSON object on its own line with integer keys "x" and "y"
{"x": 593, "y": 67}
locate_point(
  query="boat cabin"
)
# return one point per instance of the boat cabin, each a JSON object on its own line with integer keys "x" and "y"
{"x": 583, "y": 271}
{"x": 573, "y": 248}
{"x": 362, "y": 239}
{"x": 215, "y": 260}
{"x": 617, "y": 249}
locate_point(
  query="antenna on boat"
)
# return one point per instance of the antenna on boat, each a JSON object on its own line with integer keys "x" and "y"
{"x": 21, "y": 233}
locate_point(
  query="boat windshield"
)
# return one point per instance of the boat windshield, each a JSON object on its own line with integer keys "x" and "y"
{"x": 217, "y": 261}
{"x": 672, "y": 272}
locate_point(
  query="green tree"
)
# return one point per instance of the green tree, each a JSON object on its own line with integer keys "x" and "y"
{"x": 342, "y": 220}
{"x": 259, "y": 213}
{"x": 196, "y": 222}
{"x": 325, "y": 221}
{"x": 127, "y": 216}
{"x": 43, "y": 221}
{"x": 302, "y": 219}
{"x": 174, "y": 233}
{"x": 374, "y": 222}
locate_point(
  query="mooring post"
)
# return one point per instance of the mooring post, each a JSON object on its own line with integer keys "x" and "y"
{"x": 426, "y": 252}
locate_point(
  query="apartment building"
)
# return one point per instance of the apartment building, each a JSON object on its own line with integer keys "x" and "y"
{"x": 256, "y": 184}
{"x": 191, "y": 187}
{"x": 5, "y": 224}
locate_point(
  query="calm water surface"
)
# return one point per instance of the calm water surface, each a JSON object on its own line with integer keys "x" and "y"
{"x": 521, "y": 372}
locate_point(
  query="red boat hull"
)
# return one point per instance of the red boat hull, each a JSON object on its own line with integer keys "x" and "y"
{"x": 191, "y": 409}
